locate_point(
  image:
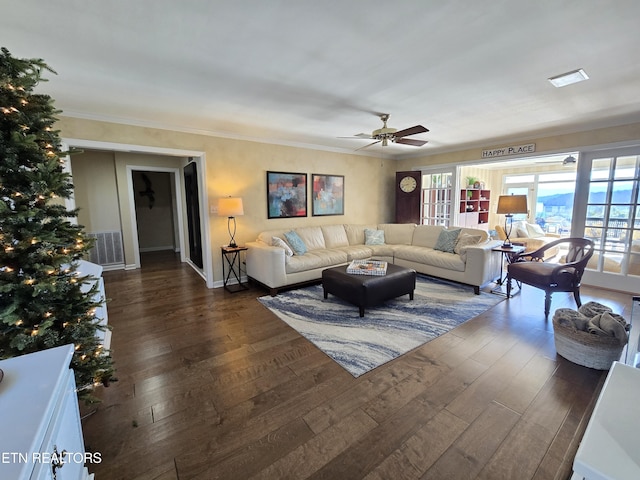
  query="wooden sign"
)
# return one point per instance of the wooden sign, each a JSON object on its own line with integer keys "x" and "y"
{"x": 506, "y": 151}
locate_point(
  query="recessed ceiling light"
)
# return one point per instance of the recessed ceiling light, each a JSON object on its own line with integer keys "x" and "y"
{"x": 568, "y": 78}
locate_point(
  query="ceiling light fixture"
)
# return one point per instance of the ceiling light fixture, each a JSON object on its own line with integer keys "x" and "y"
{"x": 568, "y": 78}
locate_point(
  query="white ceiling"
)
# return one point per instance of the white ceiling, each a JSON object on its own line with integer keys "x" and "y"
{"x": 307, "y": 72}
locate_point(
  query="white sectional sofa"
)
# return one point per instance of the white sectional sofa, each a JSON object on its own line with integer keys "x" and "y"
{"x": 271, "y": 262}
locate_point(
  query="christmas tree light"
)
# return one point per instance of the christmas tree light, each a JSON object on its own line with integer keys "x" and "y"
{"x": 42, "y": 302}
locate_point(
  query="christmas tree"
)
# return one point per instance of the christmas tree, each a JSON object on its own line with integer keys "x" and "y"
{"x": 44, "y": 302}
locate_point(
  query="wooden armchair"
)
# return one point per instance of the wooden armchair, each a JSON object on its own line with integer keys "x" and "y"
{"x": 531, "y": 269}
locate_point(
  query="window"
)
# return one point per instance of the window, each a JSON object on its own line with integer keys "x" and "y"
{"x": 612, "y": 220}
{"x": 550, "y": 198}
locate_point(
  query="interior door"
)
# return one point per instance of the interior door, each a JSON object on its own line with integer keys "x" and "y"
{"x": 192, "y": 199}
{"x": 437, "y": 197}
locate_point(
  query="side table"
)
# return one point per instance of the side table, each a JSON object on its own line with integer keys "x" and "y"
{"x": 232, "y": 267}
{"x": 508, "y": 254}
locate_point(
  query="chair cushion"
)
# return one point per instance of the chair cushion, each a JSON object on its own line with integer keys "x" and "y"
{"x": 539, "y": 274}
{"x": 532, "y": 273}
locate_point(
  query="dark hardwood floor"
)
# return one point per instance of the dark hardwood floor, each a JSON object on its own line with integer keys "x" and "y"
{"x": 213, "y": 385}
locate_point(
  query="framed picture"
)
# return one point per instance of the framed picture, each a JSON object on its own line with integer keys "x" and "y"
{"x": 286, "y": 194}
{"x": 328, "y": 194}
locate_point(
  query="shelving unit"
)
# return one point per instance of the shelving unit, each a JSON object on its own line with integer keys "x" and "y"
{"x": 474, "y": 207}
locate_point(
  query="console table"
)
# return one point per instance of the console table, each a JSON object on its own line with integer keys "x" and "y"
{"x": 39, "y": 418}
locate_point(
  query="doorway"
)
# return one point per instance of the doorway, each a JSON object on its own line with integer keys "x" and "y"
{"x": 193, "y": 213}
{"x": 129, "y": 227}
{"x": 156, "y": 211}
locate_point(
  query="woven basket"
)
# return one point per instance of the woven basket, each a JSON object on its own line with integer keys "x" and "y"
{"x": 584, "y": 348}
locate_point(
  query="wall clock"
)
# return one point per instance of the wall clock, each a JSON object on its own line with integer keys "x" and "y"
{"x": 408, "y": 184}
{"x": 408, "y": 187}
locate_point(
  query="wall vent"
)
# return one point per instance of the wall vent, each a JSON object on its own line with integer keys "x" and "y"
{"x": 107, "y": 249}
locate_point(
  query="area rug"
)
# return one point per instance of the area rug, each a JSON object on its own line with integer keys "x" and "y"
{"x": 385, "y": 332}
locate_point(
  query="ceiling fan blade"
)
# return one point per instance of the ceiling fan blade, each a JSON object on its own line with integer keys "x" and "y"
{"x": 359, "y": 135}
{"x": 410, "y": 141}
{"x": 373, "y": 143}
{"x": 411, "y": 131}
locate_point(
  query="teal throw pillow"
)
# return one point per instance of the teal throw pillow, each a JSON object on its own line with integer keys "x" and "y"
{"x": 373, "y": 237}
{"x": 447, "y": 240}
{"x": 297, "y": 245}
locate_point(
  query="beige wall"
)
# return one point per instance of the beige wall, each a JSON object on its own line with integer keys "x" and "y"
{"x": 558, "y": 143}
{"x": 95, "y": 191}
{"x": 238, "y": 168}
{"x": 470, "y": 159}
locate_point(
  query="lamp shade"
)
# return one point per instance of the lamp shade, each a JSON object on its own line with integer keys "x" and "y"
{"x": 230, "y": 207}
{"x": 509, "y": 204}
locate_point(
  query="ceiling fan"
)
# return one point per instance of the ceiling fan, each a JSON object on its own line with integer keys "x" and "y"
{"x": 387, "y": 134}
{"x": 569, "y": 161}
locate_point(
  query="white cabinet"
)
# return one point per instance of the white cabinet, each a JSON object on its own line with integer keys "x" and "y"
{"x": 87, "y": 268}
{"x": 609, "y": 449}
{"x": 40, "y": 420}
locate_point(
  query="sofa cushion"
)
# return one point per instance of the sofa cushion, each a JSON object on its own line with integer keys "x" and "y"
{"x": 429, "y": 256}
{"x": 315, "y": 259}
{"x": 357, "y": 252}
{"x": 398, "y": 233}
{"x": 267, "y": 236}
{"x": 426, "y": 235}
{"x": 382, "y": 250}
{"x": 312, "y": 237}
{"x": 297, "y": 244}
{"x": 278, "y": 242}
{"x": 334, "y": 236}
{"x": 447, "y": 240}
{"x": 355, "y": 233}
{"x": 373, "y": 237}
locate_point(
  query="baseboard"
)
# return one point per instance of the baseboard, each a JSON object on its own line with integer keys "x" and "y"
{"x": 157, "y": 249}
{"x": 114, "y": 266}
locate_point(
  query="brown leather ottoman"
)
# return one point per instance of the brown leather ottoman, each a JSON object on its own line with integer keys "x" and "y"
{"x": 368, "y": 290}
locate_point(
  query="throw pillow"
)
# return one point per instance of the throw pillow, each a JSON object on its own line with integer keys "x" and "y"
{"x": 373, "y": 237}
{"x": 534, "y": 230}
{"x": 465, "y": 240}
{"x": 519, "y": 230}
{"x": 278, "y": 242}
{"x": 447, "y": 240}
{"x": 297, "y": 245}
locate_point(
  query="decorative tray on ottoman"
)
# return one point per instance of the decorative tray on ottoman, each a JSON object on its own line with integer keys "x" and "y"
{"x": 367, "y": 267}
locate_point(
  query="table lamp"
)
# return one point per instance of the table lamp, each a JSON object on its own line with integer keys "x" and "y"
{"x": 230, "y": 207}
{"x": 508, "y": 205}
